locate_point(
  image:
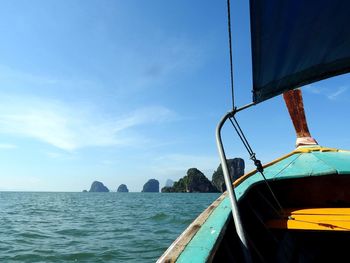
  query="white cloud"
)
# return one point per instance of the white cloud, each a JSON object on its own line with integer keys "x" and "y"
{"x": 332, "y": 94}
{"x": 54, "y": 155}
{"x": 7, "y": 146}
{"x": 312, "y": 89}
{"x": 70, "y": 127}
{"x": 339, "y": 91}
{"x": 61, "y": 155}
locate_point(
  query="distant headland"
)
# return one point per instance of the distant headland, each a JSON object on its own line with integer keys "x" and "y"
{"x": 196, "y": 182}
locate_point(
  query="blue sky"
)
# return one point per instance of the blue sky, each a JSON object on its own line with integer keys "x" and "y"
{"x": 125, "y": 91}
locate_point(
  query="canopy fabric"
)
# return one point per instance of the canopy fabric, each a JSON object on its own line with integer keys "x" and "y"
{"x": 297, "y": 42}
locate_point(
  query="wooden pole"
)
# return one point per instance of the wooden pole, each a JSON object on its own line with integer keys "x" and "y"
{"x": 294, "y": 102}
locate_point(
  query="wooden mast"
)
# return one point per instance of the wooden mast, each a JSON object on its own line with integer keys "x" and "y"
{"x": 294, "y": 102}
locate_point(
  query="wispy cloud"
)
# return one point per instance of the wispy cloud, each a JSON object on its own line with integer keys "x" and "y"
{"x": 7, "y": 146}
{"x": 312, "y": 89}
{"x": 331, "y": 94}
{"x": 61, "y": 155}
{"x": 339, "y": 91}
{"x": 70, "y": 127}
{"x": 10, "y": 74}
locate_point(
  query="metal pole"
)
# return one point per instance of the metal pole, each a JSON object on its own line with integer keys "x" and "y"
{"x": 229, "y": 186}
{"x": 244, "y": 107}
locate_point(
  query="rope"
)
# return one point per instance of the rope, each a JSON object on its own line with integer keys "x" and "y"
{"x": 230, "y": 47}
{"x": 252, "y": 155}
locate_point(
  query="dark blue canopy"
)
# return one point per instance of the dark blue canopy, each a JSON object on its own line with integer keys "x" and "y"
{"x": 297, "y": 42}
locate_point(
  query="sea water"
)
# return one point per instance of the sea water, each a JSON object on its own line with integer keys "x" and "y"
{"x": 93, "y": 227}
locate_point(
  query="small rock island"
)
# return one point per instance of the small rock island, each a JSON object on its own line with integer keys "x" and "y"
{"x": 152, "y": 186}
{"x": 194, "y": 182}
{"x": 98, "y": 187}
{"x": 123, "y": 189}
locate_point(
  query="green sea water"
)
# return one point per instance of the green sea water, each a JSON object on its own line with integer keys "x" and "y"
{"x": 93, "y": 227}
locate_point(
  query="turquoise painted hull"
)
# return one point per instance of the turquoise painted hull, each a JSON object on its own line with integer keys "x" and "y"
{"x": 305, "y": 163}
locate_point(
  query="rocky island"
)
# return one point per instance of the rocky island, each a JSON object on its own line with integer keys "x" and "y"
{"x": 152, "y": 186}
{"x": 123, "y": 189}
{"x": 98, "y": 187}
{"x": 236, "y": 169}
{"x": 194, "y": 182}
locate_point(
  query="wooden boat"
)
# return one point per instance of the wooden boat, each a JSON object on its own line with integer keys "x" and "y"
{"x": 295, "y": 208}
{"x": 312, "y": 184}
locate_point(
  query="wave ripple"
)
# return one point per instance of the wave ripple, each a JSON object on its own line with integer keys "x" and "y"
{"x": 93, "y": 227}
